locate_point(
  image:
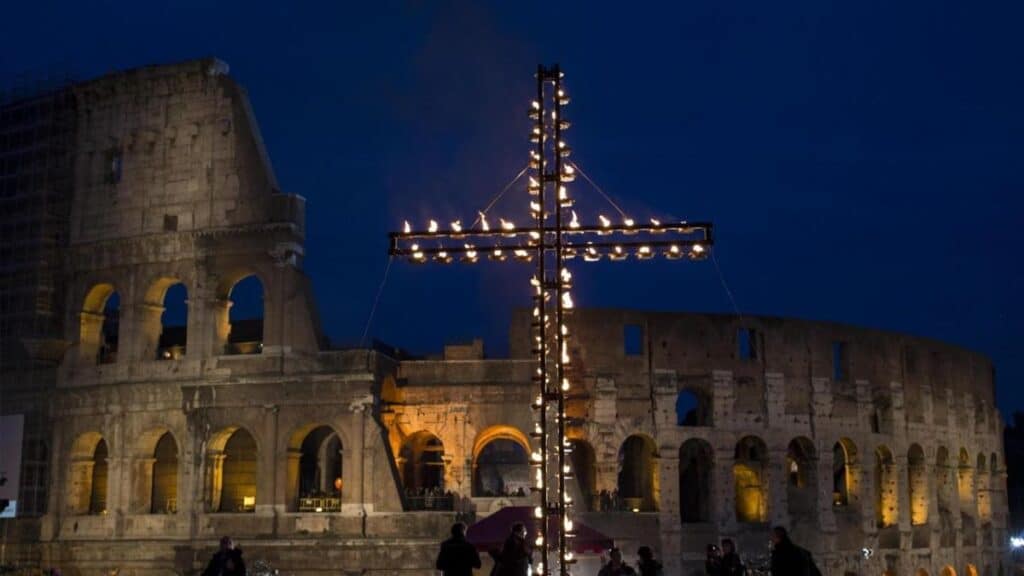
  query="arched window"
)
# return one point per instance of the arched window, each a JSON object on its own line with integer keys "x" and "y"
{"x": 422, "y": 459}
{"x": 238, "y": 485}
{"x": 638, "y": 474}
{"x": 98, "y": 325}
{"x": 245, "y": 335}
{"x": 173, "y": 323}
{"x": 501, "y": 468}
{"x": 749, "y": 472}
{"x": 164, "y": 499}
{"x": 886, "y": 489}
{"x": 692, "y": 409}
{"x": 844, "y": 476}
{"x": 695, "y": 466}
{"x": 965, "y": 484}
{"x": 584, "y": 466}
{"x": 318, "y": 481}
{"x": 100, "y": 474}
{"x": 917, "y": 484}
{"x": 802, "y": 478}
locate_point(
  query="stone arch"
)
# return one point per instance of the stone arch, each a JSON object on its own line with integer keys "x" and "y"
{"x": 917, "y": 485}
{"x": 845, "y": 479}
{"x": 164, "y": 322}
{"x": 971, "y": 570}
{"x": 965, "y": 489}
{"x": 421, "y": 461}
{"x": 693, "y": 408}
{"x": 315, "y": 469}
{"x": 241, "y": 327}
{"x": 638, "y": 474}
{"x": 801, "y": 478}
{"x": 696, "y": 465}
{"x": 584, "y": 466}
{"x": 750, "y": 476}
{"x": 87, "y": 479}
{"x": 501, "y": 463}
{"x": 99, "y": 322}
{"x": 947, "y": 571}
{"x": 233, "y": 455}
{"x": 164, "y": 479}
{"x": 921, "y": 572}
{"x": 886, "y": 488}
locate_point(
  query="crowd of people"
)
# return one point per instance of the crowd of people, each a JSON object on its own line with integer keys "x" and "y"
{"x": 459, "y": 557}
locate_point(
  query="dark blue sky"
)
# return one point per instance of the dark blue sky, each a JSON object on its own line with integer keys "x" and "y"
{"x": 862, "y": 161}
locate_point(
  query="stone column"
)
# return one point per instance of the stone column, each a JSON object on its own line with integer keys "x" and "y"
{"x": 269, "y": 493}
{"x": 291, "y": 496}
{"x": 723, "y": 400}
{"x": 214, "y": 481}
{"x": 775, "y": 393}
{"x": 141, "y": 497}
{"x": 725, "y": 488}
{"x": 91, "y": 327}
{"x": 147, "y": 332}
{"x": 777, "y": 477}
{"x": 79, "y": 487}
{"x": 668, "y": 517}
{"x": 901, "y": 470}
{"x": 826, "y": 511}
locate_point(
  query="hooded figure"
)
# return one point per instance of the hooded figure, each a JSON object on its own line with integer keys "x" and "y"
{"x": 457, "y": 556}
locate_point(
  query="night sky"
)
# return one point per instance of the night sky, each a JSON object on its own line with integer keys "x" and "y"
{"x": 863, "y": 161}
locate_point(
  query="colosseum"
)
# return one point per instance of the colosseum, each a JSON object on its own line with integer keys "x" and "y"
{"x": 144, "y": 441}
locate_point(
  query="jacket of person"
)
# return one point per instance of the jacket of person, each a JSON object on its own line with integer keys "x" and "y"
{"x": 226, "y": 563}
{"x": 788, "y": 559}
{"x": 514, "y": 558}
{"x": 622, "y": 569}
{"x": 731, "y": 565}
{"x": 650, "y": 568}
{"x": 457, "y": 557}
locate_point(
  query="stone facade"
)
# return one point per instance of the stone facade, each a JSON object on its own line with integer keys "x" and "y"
{"x": 687, "y": 427}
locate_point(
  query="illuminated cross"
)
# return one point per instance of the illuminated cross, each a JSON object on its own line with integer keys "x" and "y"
{"x": 555, "y": 235}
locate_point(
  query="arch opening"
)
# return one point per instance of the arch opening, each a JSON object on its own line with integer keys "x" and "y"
{"x": 421, "y": 460}
{"x": 238, "y": 461}
{"x": 801, "y": 479}
{"x": 886, "y": 489}
{"x": 844, "y": 474}
{"x": 501, "y": 469}
{"x": 319, "y": 479}
{"x": 750, "y": 465}
{"x": 917, "y": 485}
{"x": 100, "y": 475}
{"x": 638, "y": 474}
{"x": 246, "y": 316}
{"x": 173, "y": 341}
{"x": 692, "y": 409}
{"x": 584, "y": 466}
{"x": 164, "y": 497}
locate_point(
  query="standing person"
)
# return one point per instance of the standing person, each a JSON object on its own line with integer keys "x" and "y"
{"x": 731, "y": 563}
{"x": 514, "y": 558}
{"x": 615, "y": 565}
{"x": 457, "y": 556}
{"x": 227, "y": 561}
{"x": 788, "y": 559}
{"x": 713, "y": 561}
{"x": 647, "y": 565}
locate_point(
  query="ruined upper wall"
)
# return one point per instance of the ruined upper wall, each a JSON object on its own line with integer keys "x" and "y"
{"x": 170, "y": 148}
{"x": 695, "y": 344}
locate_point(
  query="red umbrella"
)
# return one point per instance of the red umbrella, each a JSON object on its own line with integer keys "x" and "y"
{"x": 492, "y": 531}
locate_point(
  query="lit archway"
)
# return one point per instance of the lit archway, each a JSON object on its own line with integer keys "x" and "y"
{"x": 87, "y": 478}
{"x": 917, "y": 484}
{"x": 696, "y": 463}
{"x": 947, "y": 571}
{"x": 886, "y": 488}
{"x": 99, "y": 323}
{"x": 233, "y": 457}
{"x": 100, "y": 475}
{"x": 844, "y": 474}
{"x": 422, "y": 463}
{"x": 164, "y": 492}
{"x": 749, "y": 471}
{"x": 501, "y": 468}
{"x": 801, "y": 478}
{"x": 638, "y": 474}
{"x": 315, "y": 470}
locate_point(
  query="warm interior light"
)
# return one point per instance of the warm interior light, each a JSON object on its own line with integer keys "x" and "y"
{"x": 407, "y": 228}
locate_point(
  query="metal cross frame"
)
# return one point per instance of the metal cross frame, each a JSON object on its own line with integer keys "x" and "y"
{"x": 548, "y": 245}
